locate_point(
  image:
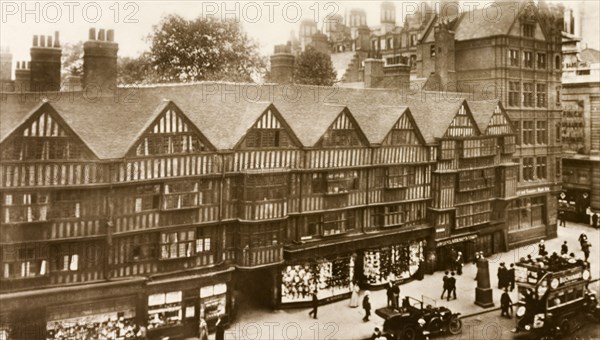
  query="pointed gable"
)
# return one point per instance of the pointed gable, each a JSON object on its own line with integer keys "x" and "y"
{"x": 269, "y": 131}
{"x": 44, "y": 135}
{"x": 491, "y": 117}
{"x": 404, "y": 132}
{"x": 499, "y": 124}
{"x": 171, "y": 132}
{"x": 463, "y": 124}
{"x": 343, "y": 132}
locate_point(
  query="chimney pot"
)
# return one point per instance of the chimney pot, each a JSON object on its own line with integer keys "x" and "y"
{"x": 92, "y": 34}
{"x": 101, "y": 34}
{"x": 56, "y": 39}
{"x": 18, "y": 63}
{"x": 35, "y": 41}
{"x": 29, "y": 65}
{"x": 42, "y": 41}
{"x": 110, "y": 35}
{"x": 49, "y": 39}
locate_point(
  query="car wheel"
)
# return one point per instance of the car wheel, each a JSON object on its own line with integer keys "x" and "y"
{"x": 409, "y": 333}
{"x": 454, "y": 325}
{"x": 565, "y": 326}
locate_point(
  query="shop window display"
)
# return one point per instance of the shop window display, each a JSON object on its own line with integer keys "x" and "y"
{"x": 102, "y": 326}
{"x": 213, "y": 300}
{"x": 164, "y": 309}
{"x": 329, "y": 278}
{"x": 398, "y": 262}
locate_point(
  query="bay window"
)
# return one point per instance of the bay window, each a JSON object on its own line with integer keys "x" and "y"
{"x": 24, "y": 261}
{"x": 25, "y": 207}
{"x": 180, "y": 195}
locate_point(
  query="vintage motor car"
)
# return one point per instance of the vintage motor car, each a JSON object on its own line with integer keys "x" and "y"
{"x": 417, "y": 319}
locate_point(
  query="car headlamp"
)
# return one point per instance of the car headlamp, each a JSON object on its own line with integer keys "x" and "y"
{"x": 554, "y": 283}
{"x": 541, "y": 289}
{"x": 586, "y": 274}
{"x": 521, "y": 311}
{"x": 421, "y": 322}
{"x": 527, "y": 327}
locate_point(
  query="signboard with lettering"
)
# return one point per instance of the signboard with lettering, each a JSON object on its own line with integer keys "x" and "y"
{"x": 456, "y": 240}
{"x": 530, "y": 191}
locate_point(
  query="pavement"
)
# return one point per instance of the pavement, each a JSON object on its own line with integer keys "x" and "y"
{"x": 339, "y": 321}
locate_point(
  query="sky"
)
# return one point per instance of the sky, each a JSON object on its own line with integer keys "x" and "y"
{"x": 268, "y": 22}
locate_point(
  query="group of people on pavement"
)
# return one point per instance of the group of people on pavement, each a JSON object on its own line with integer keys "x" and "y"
{"x": 449, "y": 285}
{"x": 506, "y": 277}
{"x": 456, "y": 261}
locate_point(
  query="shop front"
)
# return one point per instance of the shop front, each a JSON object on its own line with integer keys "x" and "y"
{"x": 175, "y": 306}
{"x": 448, "y": 247}
{"x": 490, "y": 242}
{"x": 109, "y": 310}
{"x": 106, "y": 318}
{"x": 574, "y": 204}
{"x": 397, "y": 262}
{"x": 332, "y": 276}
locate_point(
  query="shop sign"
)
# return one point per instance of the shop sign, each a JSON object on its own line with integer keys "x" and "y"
{"x": 532, "y": 191}
{"x": 457, "y": 240}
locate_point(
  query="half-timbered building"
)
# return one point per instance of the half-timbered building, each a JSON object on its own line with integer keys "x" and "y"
{"x": 156, "y": 209}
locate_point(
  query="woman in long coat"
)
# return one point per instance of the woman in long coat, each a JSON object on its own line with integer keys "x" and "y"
{"x": 354, "y": 300}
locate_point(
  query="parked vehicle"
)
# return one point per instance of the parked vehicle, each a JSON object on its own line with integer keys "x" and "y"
{"x": 418, "y": 320}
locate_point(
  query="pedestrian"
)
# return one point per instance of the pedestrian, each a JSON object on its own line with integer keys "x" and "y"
{"x": 459, "y": 263}
{"x": 511, "y": 277}
{"x": 315, "y": 305}
{"x": 564, "y": 249}
{"x": 451, "y": 286}
{"x": 390, "y": 294}
{"x": 203, "y": 334}
{"x": 445, "y": 286}
{"x": 478, "y": 256}
{"x": 542, "y": 248}
{"x": 396, "y": 294}
{"x": 367, "y": 306}
{"x": 595, "y": 220}
{"x": 452, "y": 258}
{"x": 505, "y": 304}
{"x": 354, "y": 297}
{"x": 586, "y": 250}
{"x": 561, "y": 218}
{"x": 582, "y": 239}
{"x": 219, "y": 328}
{"x": 502, "y": 273}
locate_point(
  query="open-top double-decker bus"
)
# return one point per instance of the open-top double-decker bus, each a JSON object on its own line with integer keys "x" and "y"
{"x": 553, "y": 296}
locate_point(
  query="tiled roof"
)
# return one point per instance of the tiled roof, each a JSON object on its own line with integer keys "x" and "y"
{"x": 484, "y": 22}
{"x": 224, "y": 112}
{"x": 482, "y": 111}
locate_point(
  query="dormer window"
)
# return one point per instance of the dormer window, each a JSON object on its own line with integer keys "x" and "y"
{"x": 528, "y": 30}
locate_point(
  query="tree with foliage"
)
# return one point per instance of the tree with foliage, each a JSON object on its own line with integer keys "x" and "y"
{"x": 136, "y": 70}
{"x": 314, "y": 68}
{"x": 203, "y": 49}
{"x": 72, "y": 60}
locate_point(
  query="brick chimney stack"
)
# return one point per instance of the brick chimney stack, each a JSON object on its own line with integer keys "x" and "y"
{"x": 22, "y": 76}
{"x": 444, "y": 54}
{"x": 100, "y": 61}
{"x": 5, "y": 65}
{"x": 373, "y": 73}
{"x": 282, "y": 64}
{"x": 45, "y": 63}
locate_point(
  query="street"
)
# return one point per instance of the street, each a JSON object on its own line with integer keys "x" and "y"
{"x": 339, "y": 321}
